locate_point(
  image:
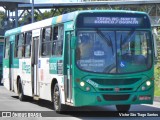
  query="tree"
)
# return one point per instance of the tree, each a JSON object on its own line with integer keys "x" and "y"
{"x": 2, "y": 17}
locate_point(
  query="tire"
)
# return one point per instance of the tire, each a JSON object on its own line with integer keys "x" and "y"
{"x": 123, "y": 108}
{"x": 58, "y": 107}
{"x": 21, "y": 96}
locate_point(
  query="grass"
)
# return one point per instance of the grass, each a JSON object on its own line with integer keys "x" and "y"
{"x": 157, "y": 80}
{"x": 157, "y": 91}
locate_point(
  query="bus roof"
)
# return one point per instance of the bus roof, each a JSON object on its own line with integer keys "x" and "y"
{"x": 60, "y": 19}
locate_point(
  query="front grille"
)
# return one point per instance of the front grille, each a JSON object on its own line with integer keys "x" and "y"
{"x": 106, "y": 89}
{"x": 116, "y": 97}
{"x": 112, "y": 89}
{"x": 125, "y": 89}
{"x": 127, "y": 81}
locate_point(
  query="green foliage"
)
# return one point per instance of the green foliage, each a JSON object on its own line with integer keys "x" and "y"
{"x": 2, "y": 16}
{"x": 157, "y": 80}
{"x": 157, "y": 91}
{"x": 157, "y": 67}
{"x": 26, "y": 19}
{"x": 46, "y": 14}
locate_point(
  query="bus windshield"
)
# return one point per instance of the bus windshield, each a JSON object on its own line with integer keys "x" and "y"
{"x": 114, "y": 51}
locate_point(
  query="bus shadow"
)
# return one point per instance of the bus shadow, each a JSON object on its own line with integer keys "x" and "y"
{"x": 1, "y": 84}
{"x": 90, "y": 111}
{"x": 16, "y": 97}
{"x": 87, "y": 111}
{"x": 42, "y": 103}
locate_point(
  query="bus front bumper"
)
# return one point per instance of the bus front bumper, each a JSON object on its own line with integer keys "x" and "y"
{"x": 82, "y": 98}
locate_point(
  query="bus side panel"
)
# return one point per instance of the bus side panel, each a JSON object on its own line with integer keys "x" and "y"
{"x": 6, "y": 82}
{"x": 47, "y": 71}
{"x": 44, "y": 78}
{"x": 25, "y": 67}
{"x": 22, "y": 69}
{"x": 55, "y": 71}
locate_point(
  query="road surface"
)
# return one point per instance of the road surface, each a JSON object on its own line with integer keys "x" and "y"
{"x": 10, "y": 105}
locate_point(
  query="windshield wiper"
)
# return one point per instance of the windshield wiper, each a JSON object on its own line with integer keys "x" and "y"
{"x": 108, "y": 41}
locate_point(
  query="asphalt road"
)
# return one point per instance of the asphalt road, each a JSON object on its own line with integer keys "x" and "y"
{"x": 10, "y": 105}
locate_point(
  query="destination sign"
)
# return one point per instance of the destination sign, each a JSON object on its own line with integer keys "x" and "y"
{"x": 109, "y": 21}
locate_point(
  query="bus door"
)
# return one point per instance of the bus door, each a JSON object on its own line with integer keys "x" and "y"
{"x": 68, "y": 82}
{"x": 11, "y": 66}
{"x": 8, "y": 63}
{"x": 34, "y": 62}
{"x": 1, "y": 59}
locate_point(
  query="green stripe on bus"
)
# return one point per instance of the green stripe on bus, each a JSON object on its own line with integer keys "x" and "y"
{"x": 6, "y": 63}
{"x": 16, "y": 63}
{"x": 52, "y": 66}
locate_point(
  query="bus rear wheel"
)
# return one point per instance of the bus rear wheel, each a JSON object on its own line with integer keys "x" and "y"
{"x": 58, "y": 107}
{"x": 123, "y": 108}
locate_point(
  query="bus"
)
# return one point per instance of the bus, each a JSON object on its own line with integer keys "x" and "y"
{"x": 83, "y": 58}
{"x": 1, "y": 56}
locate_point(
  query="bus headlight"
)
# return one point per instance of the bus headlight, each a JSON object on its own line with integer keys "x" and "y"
{"x": 82, "y": 84}
{"x": 85, "y": 86}
{"x": 148, "y": 83}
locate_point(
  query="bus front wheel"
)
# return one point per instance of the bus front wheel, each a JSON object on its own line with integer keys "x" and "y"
{"x": 58, "y": 107}
{"x": 123, "y": 108}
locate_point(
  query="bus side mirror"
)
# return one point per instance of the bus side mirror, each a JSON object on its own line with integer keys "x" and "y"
{"x": 154, "y": 34}
{"x": 73, "y": 42}
{"x": 155, "y": 48}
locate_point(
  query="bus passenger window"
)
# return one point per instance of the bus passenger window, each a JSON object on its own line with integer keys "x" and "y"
{"x": 16, "y": 48}
{"x": 28, "y": 38}
{"x": 46, "y": 42}
{"x": 46, "y": 49}
{"x": 19, "y": 47}
{"x": 55, "y": 33}
{"x": 58, "y": 35}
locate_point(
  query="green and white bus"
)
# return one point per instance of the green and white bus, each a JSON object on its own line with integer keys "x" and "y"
{"x": 83, "y": 58}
